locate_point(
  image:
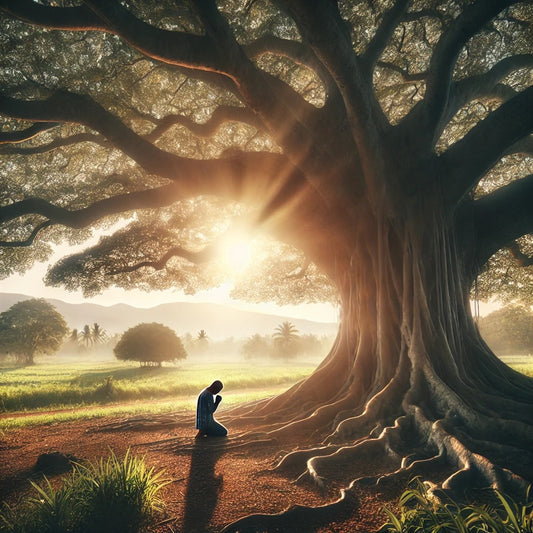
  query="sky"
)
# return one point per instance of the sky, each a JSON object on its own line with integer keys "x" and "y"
{"x": 32, "y": 284}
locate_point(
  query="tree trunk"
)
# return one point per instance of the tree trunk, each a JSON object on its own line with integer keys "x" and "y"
{"x": 409, "y": 374}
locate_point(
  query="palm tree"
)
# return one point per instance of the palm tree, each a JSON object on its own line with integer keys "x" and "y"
{"x": 99, "y": 335}
{"x": 202, "y": 340}
{"x": 285, "y": 337}
{"x": 73, "y": 338}
{"x": 86, "y": 336}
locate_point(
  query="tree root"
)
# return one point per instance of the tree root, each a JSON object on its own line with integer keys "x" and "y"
{"x": 296, "y": 518}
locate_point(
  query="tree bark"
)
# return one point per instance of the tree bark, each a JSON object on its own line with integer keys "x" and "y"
{"x": 409, "y": 373}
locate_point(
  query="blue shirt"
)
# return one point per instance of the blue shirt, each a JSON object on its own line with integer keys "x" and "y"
{"x": 205, "y": 408}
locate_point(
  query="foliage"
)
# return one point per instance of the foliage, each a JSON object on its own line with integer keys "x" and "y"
{"x": 267, "y": 346}
{"x": 508, "y": 330}
{"x": 420, "y": 512}
{"x": 106, "y": 496}
{"x": 31, "y": 327}
{"x": 150, "y": 343}
{"x": 257, "y": 345}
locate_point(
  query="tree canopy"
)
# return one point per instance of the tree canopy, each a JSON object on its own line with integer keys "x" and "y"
{"x": 31, "y": 327}
{"x": 150, "y": 343}
{"x": 386, "y": 144}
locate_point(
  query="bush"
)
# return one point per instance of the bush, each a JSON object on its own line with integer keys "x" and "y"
{"x": 106, "y": 497}
{"x": 150, "y": 343}
{"x": 419, "y": 512}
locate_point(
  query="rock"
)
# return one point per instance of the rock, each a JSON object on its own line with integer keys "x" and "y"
{"x": 54, "y": 463}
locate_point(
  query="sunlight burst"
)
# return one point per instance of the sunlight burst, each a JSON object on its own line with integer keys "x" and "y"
{"x": 237, "y": 254}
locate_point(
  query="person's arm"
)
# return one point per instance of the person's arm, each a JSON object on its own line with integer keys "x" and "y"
{"x": 218, "y": 399}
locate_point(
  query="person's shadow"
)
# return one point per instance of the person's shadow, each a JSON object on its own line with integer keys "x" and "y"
{"x": 203, "y": 486}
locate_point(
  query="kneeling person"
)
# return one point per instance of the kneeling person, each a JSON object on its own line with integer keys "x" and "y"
{"x": 206, "y": 424}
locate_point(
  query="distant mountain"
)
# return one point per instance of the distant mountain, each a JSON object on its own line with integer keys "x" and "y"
{"x": 219, "y": 321}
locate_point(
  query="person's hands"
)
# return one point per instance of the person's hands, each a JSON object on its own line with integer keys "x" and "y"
{"x": 218, "y": 398}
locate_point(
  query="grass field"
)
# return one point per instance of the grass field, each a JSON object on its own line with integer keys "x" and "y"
{"x": 52, "y": 392}
{"x": 82, "y": 390}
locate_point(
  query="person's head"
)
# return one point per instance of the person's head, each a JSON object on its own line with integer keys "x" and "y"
{"x": 215, "y": 387}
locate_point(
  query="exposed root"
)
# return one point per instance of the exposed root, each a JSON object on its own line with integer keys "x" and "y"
{"x": 296, "y": 518}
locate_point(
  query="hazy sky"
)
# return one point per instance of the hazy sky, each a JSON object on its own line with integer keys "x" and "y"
{"x": 31, "y": 284}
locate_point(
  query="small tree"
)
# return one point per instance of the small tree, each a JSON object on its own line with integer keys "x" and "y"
{"x": 150, "y": 343}
{"x": 31, "y": 327}
{"x": 256, "y": 346}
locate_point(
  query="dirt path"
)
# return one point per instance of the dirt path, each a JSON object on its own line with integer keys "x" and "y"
{"x": 209, "y": 489}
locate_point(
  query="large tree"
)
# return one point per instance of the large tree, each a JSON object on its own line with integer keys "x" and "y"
{"x": 31, "y": 327}
{"x": 149, "y": 343}
{"x": 389, "y": 142}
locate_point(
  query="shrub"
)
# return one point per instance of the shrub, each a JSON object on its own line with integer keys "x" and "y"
{"x": 150, "y": 343}
{"x": 106, "y": 497}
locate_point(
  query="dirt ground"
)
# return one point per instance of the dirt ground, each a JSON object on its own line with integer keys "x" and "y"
{"x": 212, "y": 485}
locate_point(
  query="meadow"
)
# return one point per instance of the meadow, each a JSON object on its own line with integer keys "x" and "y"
{"x": 60, "y": 391}
{"x": 55, "y": 391}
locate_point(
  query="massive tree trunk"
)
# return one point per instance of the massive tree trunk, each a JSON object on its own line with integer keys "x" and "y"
{"x": 409, "y": 375}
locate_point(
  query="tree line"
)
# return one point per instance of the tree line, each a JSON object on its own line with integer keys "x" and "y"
{"x": 34, "y": 327}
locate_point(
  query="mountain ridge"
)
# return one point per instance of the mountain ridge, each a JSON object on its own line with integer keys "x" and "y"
{"x": 218, "y": 320}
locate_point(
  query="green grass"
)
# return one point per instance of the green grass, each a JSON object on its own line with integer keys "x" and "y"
{"x": 421, "y": 512}
{"x": 88, "y": 390}
{"x": 521, "y": 363}
{"x": 107, "y": 496}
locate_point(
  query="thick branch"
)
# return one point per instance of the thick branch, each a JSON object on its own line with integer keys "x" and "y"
{"x": 445, "y": 55}
{"x": 298, "y": 52}
{"x": 322, "y": 26}
{"x": 464, "y": 163}
{"x": 68, "y": 107}
{"x": 220, "y": 116}
{"x": 502, "y": 217}
{"x": 486, "y": 84}
{"x": 384, "y": 33}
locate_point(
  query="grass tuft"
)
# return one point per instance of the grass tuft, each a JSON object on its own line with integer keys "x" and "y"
{"x": 107, "y": 496}
{"x": 419, "y": 512}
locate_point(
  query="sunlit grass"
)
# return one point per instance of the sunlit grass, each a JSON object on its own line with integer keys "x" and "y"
{"x": 107, "y": 496}
{"x": 95, "y": 390}
{"x": 177, "y": 406}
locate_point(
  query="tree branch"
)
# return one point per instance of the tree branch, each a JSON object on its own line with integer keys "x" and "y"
{"x": 204, "y": 255}
{"x": 486, "y": 84}
{"x": 501, "y": 217}
{"x": 324, "y": 29}
{"x": 57, "y": 143}
{"x": 464, "y": 163}
{"x": 408, "y": 78}
{"x": 298, "y": 52}
{"x": 445, "y": 55}
{"x": 9, "y": 137}
{"x": 383, "y": 34}
{"x": 30, "y": 240}
{"x": 219, "y": 116}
